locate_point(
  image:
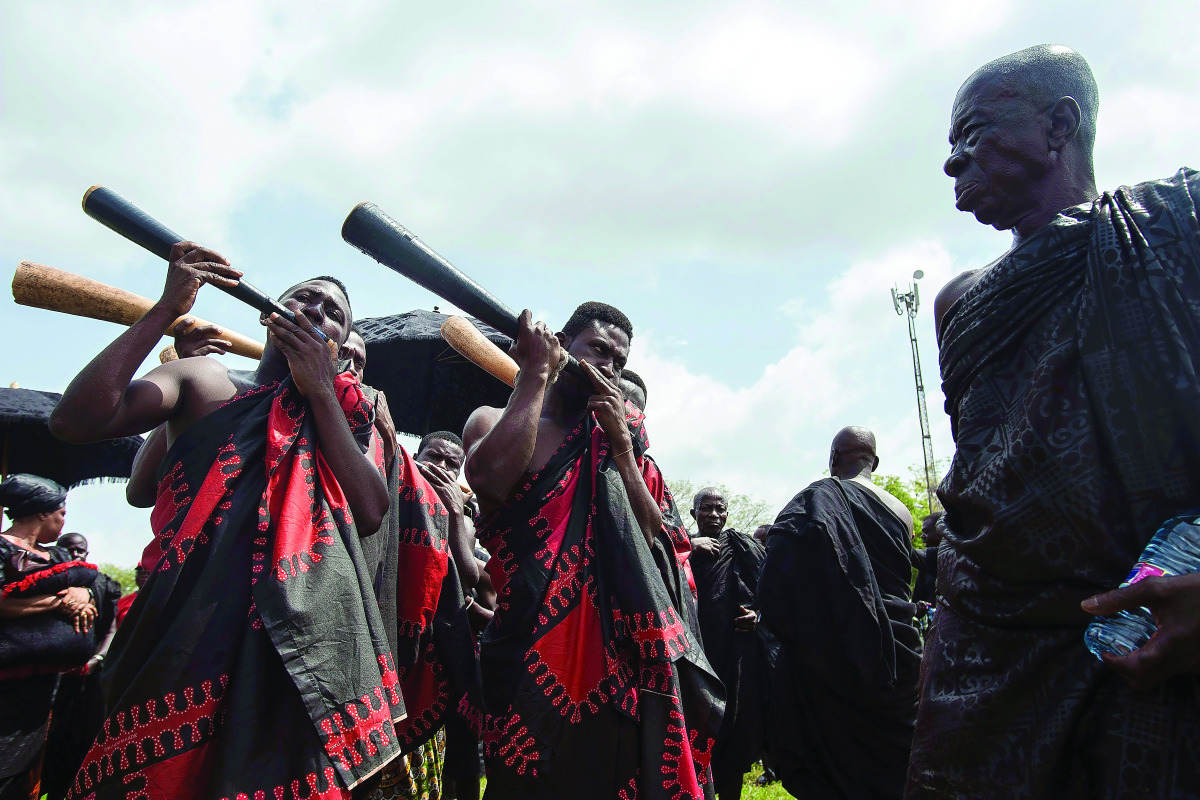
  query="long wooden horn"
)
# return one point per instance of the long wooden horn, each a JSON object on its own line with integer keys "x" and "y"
{"x": 478, "y": 349}
{"x": 39, "y": 286}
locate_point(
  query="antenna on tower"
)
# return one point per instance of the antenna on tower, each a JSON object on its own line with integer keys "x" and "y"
{"x": 907, "y": 305}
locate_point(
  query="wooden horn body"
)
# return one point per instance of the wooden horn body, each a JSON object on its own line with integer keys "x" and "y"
{"x": 369, "y": 229}
{"x": 464, "y": 337}
{"x": 118, "y": 214}
{"x": 40, "y": 286}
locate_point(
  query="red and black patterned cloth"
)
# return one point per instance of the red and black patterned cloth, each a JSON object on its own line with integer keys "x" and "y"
{"x": 255, "y": 663}
{"x": 1070, "y": 378}
{"x": 595, "y": 685}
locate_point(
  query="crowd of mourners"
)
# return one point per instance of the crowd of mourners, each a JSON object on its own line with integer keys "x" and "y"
{"x": 522, "y": 604}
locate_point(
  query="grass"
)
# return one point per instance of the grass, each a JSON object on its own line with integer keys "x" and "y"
{"x": 752, "y": 791}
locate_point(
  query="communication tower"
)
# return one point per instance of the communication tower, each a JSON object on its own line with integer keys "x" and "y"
{"x": 907, "y": 305}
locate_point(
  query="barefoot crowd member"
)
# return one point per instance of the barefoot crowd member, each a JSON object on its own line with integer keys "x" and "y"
{"x": 726, "y": 563}
{"x": 1068, "y": 366}
{"x": 593, "y": 686}
{"x": 254, "y": 661}
{"x": 834, "y": 588}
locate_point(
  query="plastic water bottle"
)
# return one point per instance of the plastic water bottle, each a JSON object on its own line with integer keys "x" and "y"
{"x": 1174, "y": 550}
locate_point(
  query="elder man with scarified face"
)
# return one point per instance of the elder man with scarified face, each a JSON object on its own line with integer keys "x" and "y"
{"x": 1068, "y": 365}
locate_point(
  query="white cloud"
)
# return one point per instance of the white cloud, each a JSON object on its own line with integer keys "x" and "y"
{"x": 850, "y": 365}
{"x": 750, "y": 178}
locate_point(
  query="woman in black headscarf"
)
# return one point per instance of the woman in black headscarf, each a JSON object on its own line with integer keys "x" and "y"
{"x": 46, "y": 616}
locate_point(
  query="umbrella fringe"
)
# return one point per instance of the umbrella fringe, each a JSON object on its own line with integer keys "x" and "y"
{"x": 102, "y": 479}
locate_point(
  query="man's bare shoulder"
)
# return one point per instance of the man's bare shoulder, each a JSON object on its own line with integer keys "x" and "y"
{"x": 204, "y": 384}
{"x": 482, "y": 420}
{"x": 896, "y": 507}
{"x": 950, "y": 294}
{"x": 209, "y": 378}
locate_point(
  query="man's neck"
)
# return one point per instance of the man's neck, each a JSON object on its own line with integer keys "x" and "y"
{"x": 564, "y": 407}
{"x": 1065, "y": 194}
{"x": 862, "y": 476}
{"x": 272, "y": 367}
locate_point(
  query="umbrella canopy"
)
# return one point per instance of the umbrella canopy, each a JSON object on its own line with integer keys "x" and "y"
{"x": 28, "y": 446}
{"x": 429, "y": 386}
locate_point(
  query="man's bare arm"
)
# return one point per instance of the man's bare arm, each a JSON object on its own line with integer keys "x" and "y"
{"x": 313, "y": 371}
{"x": 104, "y": 402}
{"x": 500, "y": 445}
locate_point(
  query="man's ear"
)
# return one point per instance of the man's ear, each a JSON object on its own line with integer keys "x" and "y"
{"x": 692, "y": 511}
{"x": 1063, "y": 119}
{"x": 875, "y": 464}
{"x": 563, "y": 339}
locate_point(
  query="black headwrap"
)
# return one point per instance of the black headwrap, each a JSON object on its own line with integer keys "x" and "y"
{"x": 23, "y": 495}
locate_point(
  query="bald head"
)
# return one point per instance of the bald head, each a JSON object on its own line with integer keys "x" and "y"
{"x": 852, "y": 453}
{"x": 1021, "y": 135}
{"x": 1038, "y": 76}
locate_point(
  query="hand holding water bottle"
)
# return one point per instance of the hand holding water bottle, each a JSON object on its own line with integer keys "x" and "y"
{"x": 1174, "y": 649}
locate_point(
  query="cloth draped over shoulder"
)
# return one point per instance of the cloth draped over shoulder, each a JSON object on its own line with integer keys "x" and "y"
{"x": 742, "y": 660}
{"x": 673, "y": 538}
{"x": 834, "y": 588}
{"x": 1070, "y": 374}
{"x": 423, "y": 606}
{"x": 257, "y": 625}
{"x": 594, "y": 686}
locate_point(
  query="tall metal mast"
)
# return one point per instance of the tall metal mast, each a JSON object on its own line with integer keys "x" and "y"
{"x": 907, "y": 305}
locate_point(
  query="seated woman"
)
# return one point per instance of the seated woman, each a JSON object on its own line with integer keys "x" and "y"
{"x": 46, "y": 617}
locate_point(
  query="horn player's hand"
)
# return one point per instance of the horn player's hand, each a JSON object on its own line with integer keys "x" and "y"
{"x": 191, "y": 266}
{"x": 201, "y": 340}
{"x": 608, "y": 404}
{"x": 307, "y": 353}
{"x": 537, "y": 350}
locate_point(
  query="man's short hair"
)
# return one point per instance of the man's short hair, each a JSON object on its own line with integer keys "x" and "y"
{"x": 446, "y": 436}
{"x": 705, "y": 492}
{"x": 1044, "y": 73}
{"x": 631, "y": 376}
{"x": 325, "y": 278}
{"x": 597, "y": 312}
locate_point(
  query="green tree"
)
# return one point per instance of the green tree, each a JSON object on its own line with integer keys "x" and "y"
{"x": 122, "y": 575}
{"x": 746, "y": 512}
{"x": 913, "y": 493}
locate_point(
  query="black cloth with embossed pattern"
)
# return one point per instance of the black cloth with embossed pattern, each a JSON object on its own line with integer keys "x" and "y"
{"x": 1070, "y": 380}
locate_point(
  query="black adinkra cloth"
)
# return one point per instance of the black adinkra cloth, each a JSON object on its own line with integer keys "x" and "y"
{"x": 742, "y": 659}
{"x": 1070, "y": 373}
{"x": 835, "y": 589}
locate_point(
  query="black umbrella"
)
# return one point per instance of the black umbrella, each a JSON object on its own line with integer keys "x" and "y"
{"x": 429, "y": 386}
{"x": 28, "y": 445}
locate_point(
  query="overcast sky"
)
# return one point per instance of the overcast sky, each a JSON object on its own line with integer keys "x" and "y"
{"x": 747, "y": 181}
